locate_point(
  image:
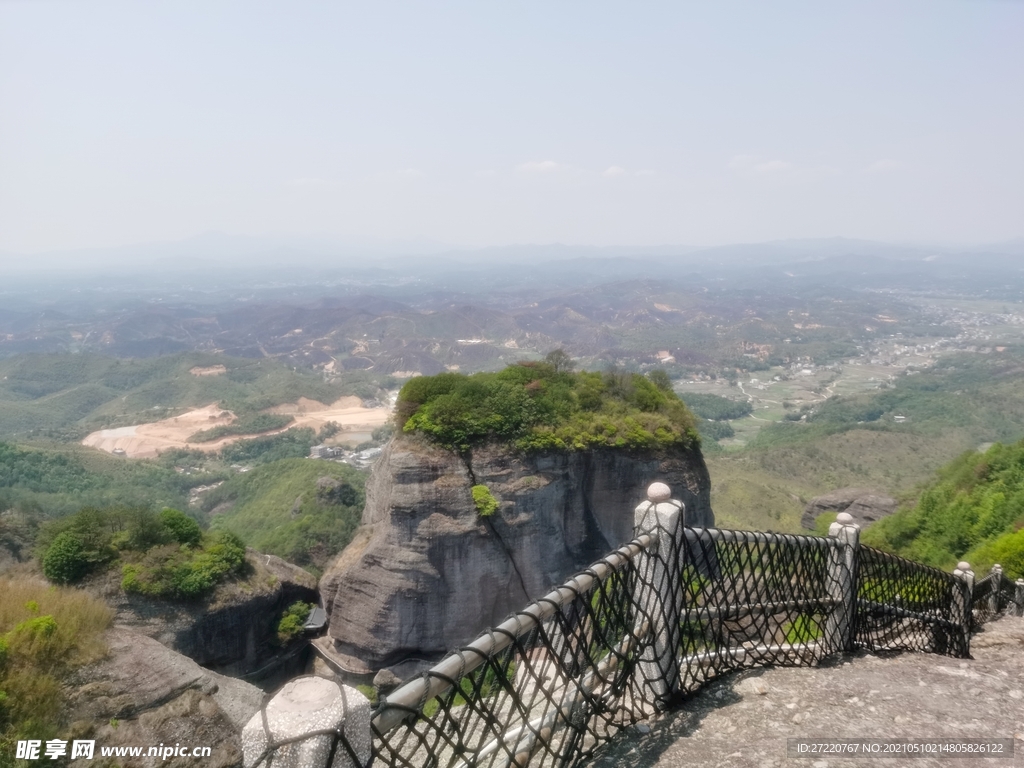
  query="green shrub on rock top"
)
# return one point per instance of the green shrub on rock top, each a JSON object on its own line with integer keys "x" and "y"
{"x": 183, "y": 528}
{"x": 160, "y": 555}
{"x": 544, "y": 406}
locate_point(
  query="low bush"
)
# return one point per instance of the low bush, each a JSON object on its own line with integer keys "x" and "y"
{"x": 486, "y": 504}
{"x": 292, "y": 620}
{"x": 183, "y": 528}
{"x": 65, "y": 560}
{"x": 251, "y": 425}
{"x": 185, "y": 573}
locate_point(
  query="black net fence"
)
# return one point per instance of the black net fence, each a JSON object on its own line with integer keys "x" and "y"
{"x": 993, "y": 595}
{"x": 645, "y": 626}
{"x": 651, "y": 623}
{"x": 906, "y": 606}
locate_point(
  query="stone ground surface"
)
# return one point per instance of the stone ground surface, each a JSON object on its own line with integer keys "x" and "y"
{"x": 745, "y": 719}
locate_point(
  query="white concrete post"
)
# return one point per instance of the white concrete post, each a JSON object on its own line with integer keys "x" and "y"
{"x": 302, "y": 707}
{"x": 659, "y": 594}
{"x": 997, "y": 584}
{"x": 963, "y": 598}
{"x": 1018, "y": 597}
{"x": 839, "y": 627}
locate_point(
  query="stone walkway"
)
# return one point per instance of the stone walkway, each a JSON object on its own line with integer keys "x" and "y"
{"x": 744, "y": 720}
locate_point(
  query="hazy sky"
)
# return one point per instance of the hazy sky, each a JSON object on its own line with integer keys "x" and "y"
{"x": 487, "y": 123}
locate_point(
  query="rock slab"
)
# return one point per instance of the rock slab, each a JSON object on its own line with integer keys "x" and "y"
{"x": 143, "y": 693}
{"x": 863, "y": 504}
{"x": 743, "y": 720}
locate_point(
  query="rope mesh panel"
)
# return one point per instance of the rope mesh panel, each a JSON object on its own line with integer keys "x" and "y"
{"x": 653, "y": 622}
{"x": 635, "y": 632}
{"x": 903, "y": 605}
{"x": 992, "y": 596}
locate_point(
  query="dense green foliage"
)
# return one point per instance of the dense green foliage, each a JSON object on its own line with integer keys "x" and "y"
{"x": 294, "y": 617}
{"x": 486, "y": 504}
{"x": 185, "y": 573}
{"x": 45, "y": 633}
{"x": 253, "y": 424}
{"x": 293, "y": 444}
{"x": 161, "y": 555}
{"x": 65, "y": 560}
{"x": 59, "y": 482}
{"x": 277, "y": 508}
{"x": 183, "y": 528}
{"x": 716, "y": 408}
{"x": 973, "y": 511}
{"x": 537, "y": 406}
{"x": 715, "y": 430}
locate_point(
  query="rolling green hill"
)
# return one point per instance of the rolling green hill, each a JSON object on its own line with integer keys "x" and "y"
{"x": 962, "y": 402}
{"x": 64, "y": 397}
{"x": 280, "y": 509}
{"x": 58, "y": 481}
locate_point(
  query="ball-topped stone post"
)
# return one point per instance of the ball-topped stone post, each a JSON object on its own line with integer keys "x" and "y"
{"x": 311, "y": 722}
{"x": 996, "y": 578}
{"x": 963, "y": 604}
{"x": 1018, "y": 597}
{"x": 659, "y": 594}
{"x": 839, "y": 626}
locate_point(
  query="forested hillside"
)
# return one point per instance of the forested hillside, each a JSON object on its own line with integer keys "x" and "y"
{"x": 304, "y": 511}
{"x": 973, "y": 511}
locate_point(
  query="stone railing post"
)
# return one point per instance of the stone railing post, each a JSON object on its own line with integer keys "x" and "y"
{"x": 963, "y": 604}
{"x": 659, "y": 594}
{"x": 997, "y": 584}
{"x": 1018, "y": 597}
{"x": 289, "y": 732}
{"x": 842, "y": 586}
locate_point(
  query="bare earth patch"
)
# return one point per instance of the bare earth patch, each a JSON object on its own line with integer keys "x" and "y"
{"x": 212, "y": 370}
{"x": 146, "y": 441}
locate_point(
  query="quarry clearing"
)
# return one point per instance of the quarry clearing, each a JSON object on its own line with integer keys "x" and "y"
{"x": 146, "y": 441}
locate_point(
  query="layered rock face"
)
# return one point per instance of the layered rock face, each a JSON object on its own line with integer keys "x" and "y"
{"x": 427, "y": 573}
{"x": 866, "y": 506}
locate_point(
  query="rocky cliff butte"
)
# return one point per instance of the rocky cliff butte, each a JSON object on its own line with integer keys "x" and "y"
{"x": 865, "y": 505}
{"x": 426, "y": 572}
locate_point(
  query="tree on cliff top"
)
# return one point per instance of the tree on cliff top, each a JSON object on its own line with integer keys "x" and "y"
{"x": 545, "y": 405}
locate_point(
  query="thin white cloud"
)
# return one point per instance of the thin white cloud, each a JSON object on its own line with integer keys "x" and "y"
{"x": 773, "y": 166}
{"x": 614, "y": 170}
{"x": 539, "y": 166}
{"x": 752, "y": 165}
{"x": 742, "y": 162}
{"x": 883, "y": 166}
